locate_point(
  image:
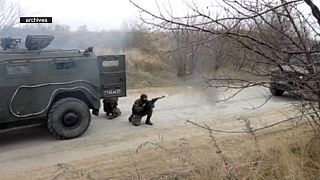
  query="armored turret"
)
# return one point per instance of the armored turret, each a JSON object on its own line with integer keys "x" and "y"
{"x": 38, "y": 42}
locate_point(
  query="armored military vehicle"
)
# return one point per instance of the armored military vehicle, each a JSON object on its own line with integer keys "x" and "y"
{"x": 61, "y": 88}
{"x": 296, "y": 76}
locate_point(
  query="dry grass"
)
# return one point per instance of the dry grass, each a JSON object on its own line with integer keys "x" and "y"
{"x": 289, "y": 157}
{"x": 286, "y": 154}
{"x": 145, "y": 70}
{"x": 138, "y": 60}
{"x": 273, "y": 154}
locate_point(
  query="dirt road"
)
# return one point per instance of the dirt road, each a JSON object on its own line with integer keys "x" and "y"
{"x": 32, "y": 148}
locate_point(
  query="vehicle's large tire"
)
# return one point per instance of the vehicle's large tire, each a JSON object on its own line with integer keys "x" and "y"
{"x": 276, "y": 92}
{"x": 68, "y": 118}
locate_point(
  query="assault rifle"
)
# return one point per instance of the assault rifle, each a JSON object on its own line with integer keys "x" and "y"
{"x": 150, "y": 104}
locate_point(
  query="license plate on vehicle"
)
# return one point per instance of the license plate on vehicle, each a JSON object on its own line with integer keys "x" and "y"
{"x": 112, "y": 92}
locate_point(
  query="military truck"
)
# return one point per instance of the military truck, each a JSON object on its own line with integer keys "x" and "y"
{"x": 296, "y": 76}
{"x": 61, "y": 88}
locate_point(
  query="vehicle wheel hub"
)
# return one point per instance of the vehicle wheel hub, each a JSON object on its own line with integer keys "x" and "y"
{"x": 70, "y": 119}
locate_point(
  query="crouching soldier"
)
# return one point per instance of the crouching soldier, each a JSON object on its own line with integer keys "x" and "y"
{"x": 142, "y": 107}
{"x": 110, "y": 107}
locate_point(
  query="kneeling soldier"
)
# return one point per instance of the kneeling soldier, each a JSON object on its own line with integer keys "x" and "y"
{"x": 141, "y": 108}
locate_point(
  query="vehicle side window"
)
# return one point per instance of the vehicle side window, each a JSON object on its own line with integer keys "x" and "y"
{"x": 65, "y": 65}
{"x": 112, "y": 63}
{"x": 18, "y": 69}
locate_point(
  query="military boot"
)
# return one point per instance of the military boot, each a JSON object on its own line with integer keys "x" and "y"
{"x": 148, "y": 121}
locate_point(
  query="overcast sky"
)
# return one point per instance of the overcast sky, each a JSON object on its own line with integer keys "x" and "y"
{"x": 97, "y": 14}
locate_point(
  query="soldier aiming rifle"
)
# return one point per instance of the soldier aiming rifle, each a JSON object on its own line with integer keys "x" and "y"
{"x": 142, "y": 107}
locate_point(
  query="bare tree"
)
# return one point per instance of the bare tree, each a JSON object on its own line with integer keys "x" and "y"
{"x": 315, "y": 10}
{"x": 9, "y": 16}
{"x": 185, "y": 50}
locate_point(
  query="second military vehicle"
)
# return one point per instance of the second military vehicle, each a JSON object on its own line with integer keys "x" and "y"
{"x": 297, "y": 76}
{"x": 58, "y": 87}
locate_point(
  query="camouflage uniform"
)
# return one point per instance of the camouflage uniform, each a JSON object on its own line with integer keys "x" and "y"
{"x": 110, "y": 107}
{"x": 141, "y": 109}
